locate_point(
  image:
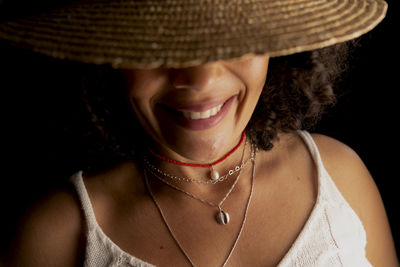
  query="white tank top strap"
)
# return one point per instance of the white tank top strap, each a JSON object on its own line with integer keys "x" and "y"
{"x": 327, "y": 189}
{"x": 101, "y": 251}
{"x": 322, "y": 175}
{"x": 313, "y": 149}
{"x": 83, "y": 195}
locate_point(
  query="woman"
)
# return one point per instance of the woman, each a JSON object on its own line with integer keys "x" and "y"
{"x": 212, "y": 174}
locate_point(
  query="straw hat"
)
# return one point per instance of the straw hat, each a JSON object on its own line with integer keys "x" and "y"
{"x": 181, "y": 33}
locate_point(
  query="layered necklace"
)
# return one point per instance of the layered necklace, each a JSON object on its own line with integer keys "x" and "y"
{"x": 214, "y": 174}
{"x": 222, "y": 216}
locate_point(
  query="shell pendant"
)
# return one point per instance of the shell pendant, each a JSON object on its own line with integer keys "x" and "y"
{"x": 222, "y": 217}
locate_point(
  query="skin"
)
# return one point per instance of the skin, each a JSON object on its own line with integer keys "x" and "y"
{"x": 284, "y": 195}
{"x": 243, "y": 79}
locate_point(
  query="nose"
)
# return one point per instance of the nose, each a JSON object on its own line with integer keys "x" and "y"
{"x": 201, "y": 77}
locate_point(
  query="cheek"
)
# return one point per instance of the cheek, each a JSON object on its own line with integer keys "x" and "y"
{"x": 252, "y": 71}
{"x": 138, "y": 99}
{"x": 254, "y": 74}
{"x": 143, "y": 90}
{"x": 141, "y": 104}
{"x": 257, "y": 70}
{"x": 259, "y": 75}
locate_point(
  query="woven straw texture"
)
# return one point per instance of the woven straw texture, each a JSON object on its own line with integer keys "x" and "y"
{"x": 182, "y": 33}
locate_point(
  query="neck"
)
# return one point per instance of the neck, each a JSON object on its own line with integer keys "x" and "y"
{"x": 180, "y": 174}
{"x": 181, "y": 163}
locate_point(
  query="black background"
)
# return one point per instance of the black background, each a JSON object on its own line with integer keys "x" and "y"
{"x": 38, "y": 98}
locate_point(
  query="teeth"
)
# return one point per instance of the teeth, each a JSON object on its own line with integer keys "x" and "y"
{"x": 202, "y": 115}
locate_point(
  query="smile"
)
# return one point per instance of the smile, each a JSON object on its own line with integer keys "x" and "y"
{"x": 197, "y": 116}
{"x": 202, "y": 115}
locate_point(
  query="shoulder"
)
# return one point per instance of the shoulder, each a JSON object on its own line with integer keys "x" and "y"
{"x": 50, "y": 233}
{"x": 343, "y": 164}
{"x": 356, "y": 184}
{"x": 349, "y": 173}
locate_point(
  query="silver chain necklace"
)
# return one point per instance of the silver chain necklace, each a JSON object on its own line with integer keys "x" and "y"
{"x": 190, "y": 180}
{"x": 241, "y": 227}
{"x": 222, "y": 216}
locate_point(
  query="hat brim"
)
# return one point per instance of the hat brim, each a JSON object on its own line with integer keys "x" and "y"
{"x": 183, "y": 33}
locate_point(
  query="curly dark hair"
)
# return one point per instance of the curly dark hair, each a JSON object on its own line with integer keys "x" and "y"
{"x": 298, "y": 89}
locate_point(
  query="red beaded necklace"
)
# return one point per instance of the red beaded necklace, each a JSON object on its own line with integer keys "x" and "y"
{"x": 214, "y": 174}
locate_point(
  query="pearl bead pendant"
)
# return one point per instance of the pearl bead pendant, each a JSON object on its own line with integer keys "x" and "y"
{"x": 214, "y": 175}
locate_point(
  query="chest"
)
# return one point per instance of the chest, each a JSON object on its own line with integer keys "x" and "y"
{"x": 278, "y": 210}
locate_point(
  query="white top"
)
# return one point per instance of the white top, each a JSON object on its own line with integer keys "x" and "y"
{"x": 332, "y": 236}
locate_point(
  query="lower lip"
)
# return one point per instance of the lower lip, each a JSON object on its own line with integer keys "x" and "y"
{"x": 200, "y": 124}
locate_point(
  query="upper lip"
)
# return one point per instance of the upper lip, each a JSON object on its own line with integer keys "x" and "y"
{"x": 198, "y": 107}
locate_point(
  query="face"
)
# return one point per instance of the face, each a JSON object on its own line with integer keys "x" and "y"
{"x": 197, "y": 113}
